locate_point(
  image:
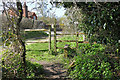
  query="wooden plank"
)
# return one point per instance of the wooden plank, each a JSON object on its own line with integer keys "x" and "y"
{"x": 69, "y": 41}
{"x": 69, "y": 34}
{"x": 35, "y": 30}
{"x": 37, "y": 42}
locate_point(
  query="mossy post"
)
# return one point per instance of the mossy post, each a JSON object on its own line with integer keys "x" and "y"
{"x": 55, "y": 47}
{"x": 50, "y": 38}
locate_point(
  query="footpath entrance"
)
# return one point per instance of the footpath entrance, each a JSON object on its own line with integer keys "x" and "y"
{"x": 55, "y": 38}
{"x": 49, "y": 30}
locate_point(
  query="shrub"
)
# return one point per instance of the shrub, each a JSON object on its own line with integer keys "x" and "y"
{"x": 91, "y": 62}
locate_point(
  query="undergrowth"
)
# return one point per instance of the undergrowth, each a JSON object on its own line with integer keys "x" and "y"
{"x": 92, "y": 62}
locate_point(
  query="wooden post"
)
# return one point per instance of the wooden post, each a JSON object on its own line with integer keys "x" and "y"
{"x": 24, "y": 36}
{"x": 55, "y": 47}
{"x": 84, "y": 37}
{"x": 77, "y": 40}
{"x": 50, "y": 39}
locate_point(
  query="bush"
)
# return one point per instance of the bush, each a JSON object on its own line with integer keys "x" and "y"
{"x": 93, "y": 63}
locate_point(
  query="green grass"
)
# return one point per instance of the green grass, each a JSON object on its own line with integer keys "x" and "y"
{"x": 38, "y": 55}
{"x": 33, "y": 34}
{"x": 69, "y": 37}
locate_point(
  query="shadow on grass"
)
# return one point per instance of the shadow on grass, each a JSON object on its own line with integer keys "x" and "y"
{"x": 34, "y": 34}
{"x": 33, "y": 70}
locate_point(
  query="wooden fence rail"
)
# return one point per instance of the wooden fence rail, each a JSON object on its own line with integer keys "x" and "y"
{"x": 69, "y": 41}
{"x": 55, "y": 39}
{"x": 69, "y": 34}
{"x": 63, "y": 47}
{"x": 77, "y": 41}
{"x": 41, "y": 41}
{"x": 37, "y": 41}
{"x": 35, "y": 30}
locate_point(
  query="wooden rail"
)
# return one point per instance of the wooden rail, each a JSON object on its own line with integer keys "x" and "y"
{"x": 69, "y": 34}
{"x": 69, "y": 41}
{"x": 63, "y": 47}
{"x": 35, "y": 30}
{"x": 37, "y": 42}
{"x": 41, "y": 41}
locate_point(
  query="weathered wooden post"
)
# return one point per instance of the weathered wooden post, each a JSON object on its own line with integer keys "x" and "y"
{"x": 55, "y": 45}
{"x": 77, "y": 40}
{"x": 50, "y": 38}
{"x": 84, "y": 37}
{"x": 66, "y": 48}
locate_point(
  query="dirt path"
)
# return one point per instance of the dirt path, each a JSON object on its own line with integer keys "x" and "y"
{"x": 53, "y": 70}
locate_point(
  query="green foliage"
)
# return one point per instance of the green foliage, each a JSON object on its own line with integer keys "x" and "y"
{"x": 90, "y": 49}
{"x": 13, "y": 57}
{"x": 14, "y": 66}
{"x": 100, "y": 20}
{"x": 91, "y": 62}
{"x": 90, "y": 68}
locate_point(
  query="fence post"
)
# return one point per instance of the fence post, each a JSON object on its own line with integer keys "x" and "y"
{"x": 84, "y": 37}
{"x": 55, "y": 49}
{"x": 50, "y": 38}
{"x": 77, "y": 40}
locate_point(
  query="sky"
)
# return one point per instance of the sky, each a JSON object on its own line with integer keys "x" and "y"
{"x": 59, "y": 12}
